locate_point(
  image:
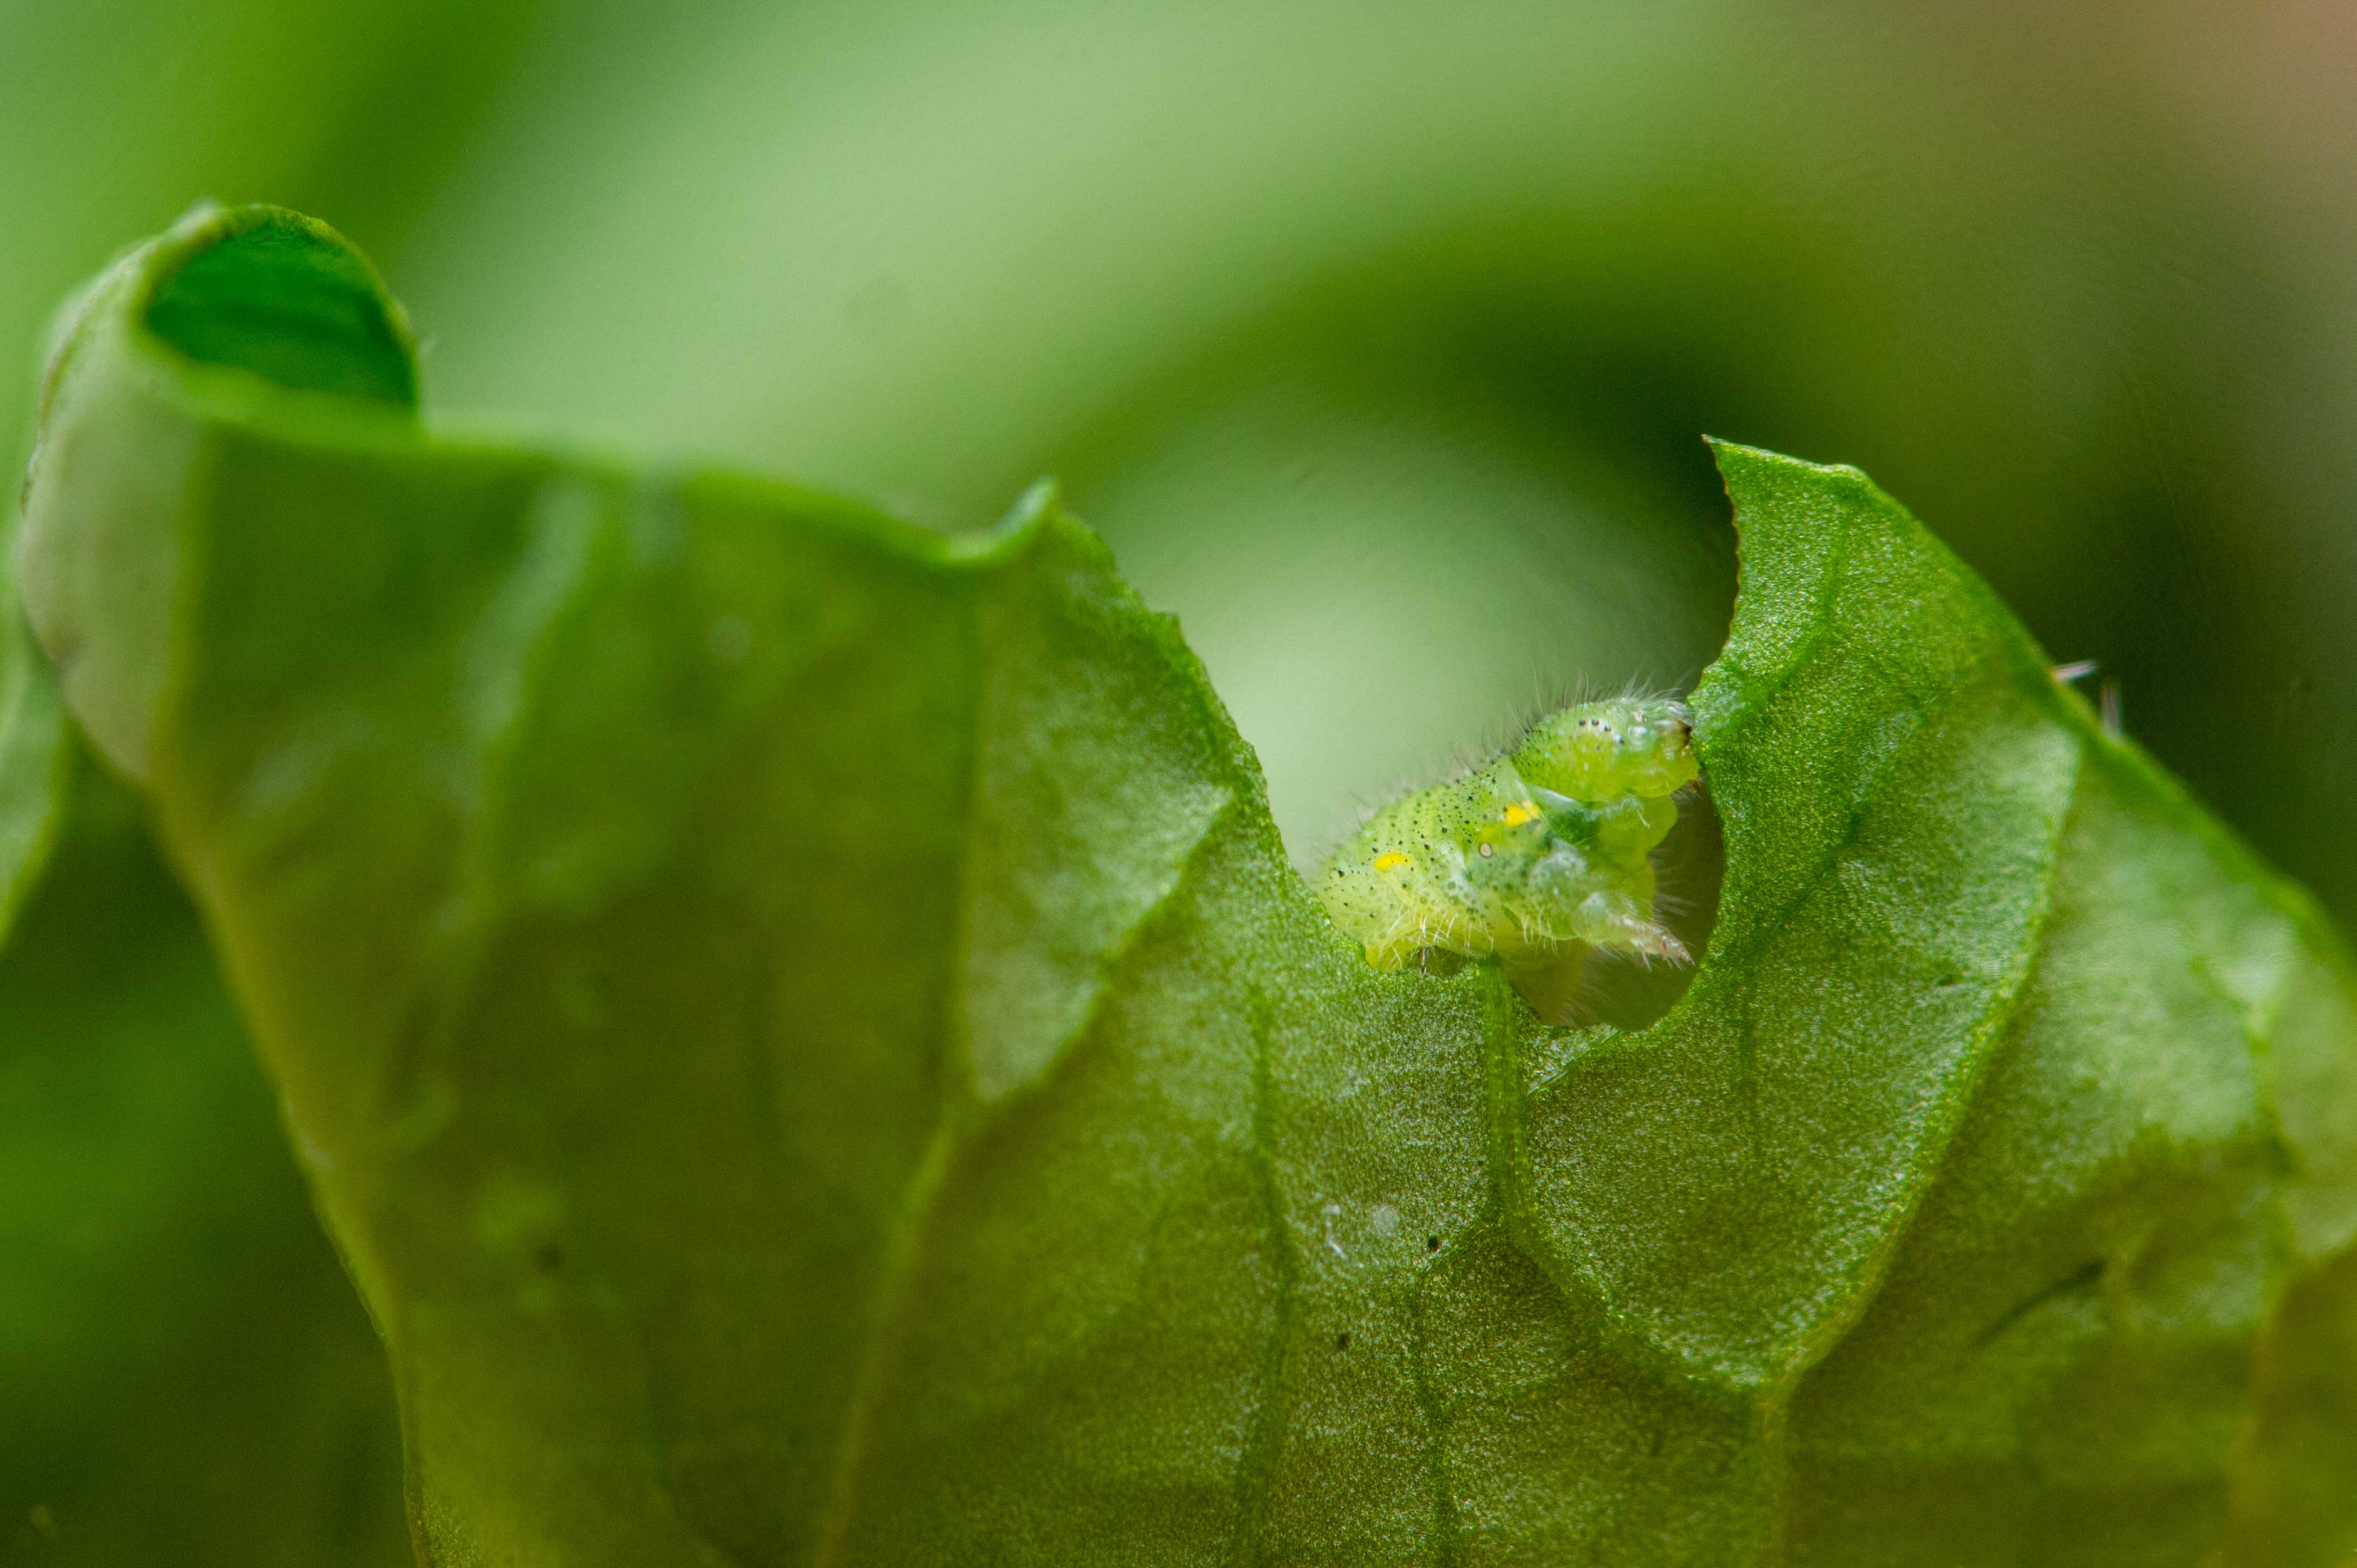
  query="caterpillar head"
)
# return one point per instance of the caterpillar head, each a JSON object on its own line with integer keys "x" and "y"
{"x": 1598, "y": 752}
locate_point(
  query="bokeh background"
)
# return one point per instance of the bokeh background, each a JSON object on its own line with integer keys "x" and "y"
{"x": 1376, "y": 338}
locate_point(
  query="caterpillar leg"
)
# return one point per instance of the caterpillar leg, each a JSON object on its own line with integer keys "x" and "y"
{"x": 1616, "y": 922}
{"x": 1439, "y": 962}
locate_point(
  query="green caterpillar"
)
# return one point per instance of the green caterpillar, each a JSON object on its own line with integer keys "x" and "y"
{"x": 1545, "y": 847}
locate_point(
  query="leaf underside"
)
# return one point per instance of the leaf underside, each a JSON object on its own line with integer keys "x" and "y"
{"x": 812, "y": 1051}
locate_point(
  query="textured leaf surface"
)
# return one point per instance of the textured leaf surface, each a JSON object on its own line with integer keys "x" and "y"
{"x": 811, "y": 1048}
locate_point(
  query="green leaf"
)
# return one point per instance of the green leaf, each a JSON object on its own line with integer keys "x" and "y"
{"x": 186, "y": 1376}
{"x": 35, "y": 753}
{"x": 814, "y": 1051}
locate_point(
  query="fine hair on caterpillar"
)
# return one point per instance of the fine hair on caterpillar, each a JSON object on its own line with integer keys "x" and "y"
{"x": 1541, "y": 858}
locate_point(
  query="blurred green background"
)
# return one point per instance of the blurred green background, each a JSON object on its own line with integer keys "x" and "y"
{"x": 1377, "y": 339}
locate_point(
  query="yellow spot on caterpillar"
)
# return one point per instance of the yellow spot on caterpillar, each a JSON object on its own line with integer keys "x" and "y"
{"x": 1390, "y": 858}
{"x": 1521, "y": 812}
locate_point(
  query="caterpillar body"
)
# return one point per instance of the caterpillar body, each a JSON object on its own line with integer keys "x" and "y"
{"x": 1548, "y": 846}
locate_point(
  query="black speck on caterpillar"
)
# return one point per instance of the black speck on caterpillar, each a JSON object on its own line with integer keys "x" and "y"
{"x": 1542, "y": 850}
